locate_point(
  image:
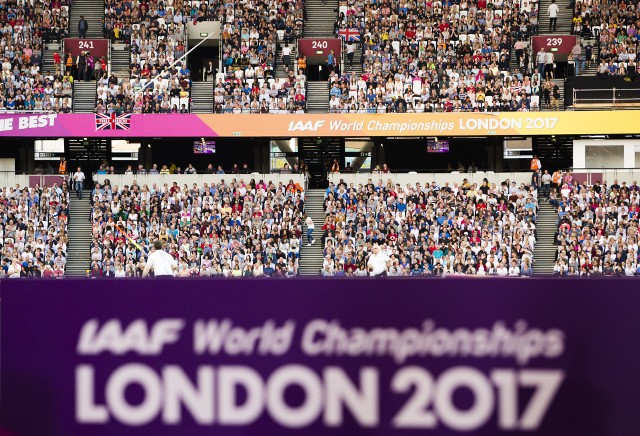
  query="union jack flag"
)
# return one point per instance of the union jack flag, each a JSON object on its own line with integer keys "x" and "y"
{"x": 113, "y": 122}
{"x": 349, "y": 34}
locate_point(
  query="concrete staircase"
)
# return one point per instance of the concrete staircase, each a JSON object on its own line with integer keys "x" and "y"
{"x": 317, "y": 97}
{"x": 93, "y": 12}
{"x": 202, "y": 97}
{"x": 544, "y": 255}
{"x": 280, "y": 70}
{"x": 565, "y": 17}
{"x": 593, "y": 69}
{"x": 514, "y": 62}
{"x": 47, "y": 57}
{"x": 120, "y": 61}
{"x": 84, "y": 96}
{"x": 320, "y": 18}
{"x": 79, "y": 249}
{"x": 311, "y": 257}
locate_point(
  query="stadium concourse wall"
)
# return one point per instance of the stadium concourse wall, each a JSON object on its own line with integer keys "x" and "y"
{"x": 588, "y": 176}
{"x": 10, "y": 178}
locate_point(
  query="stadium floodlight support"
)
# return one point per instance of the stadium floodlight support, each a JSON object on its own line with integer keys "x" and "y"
{"x": 184, "y": 56}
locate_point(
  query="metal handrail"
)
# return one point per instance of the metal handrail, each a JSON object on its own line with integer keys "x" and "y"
{"x": 615, "y": 99}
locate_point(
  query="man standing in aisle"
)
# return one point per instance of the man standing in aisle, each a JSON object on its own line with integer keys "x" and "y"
{"x": 310, "y": 227}
{"x": 577, "y": 56}
{"x": 162, "y": 263}
{"x": 83, "y": 26}
{"x": 553, "y": 16}
{"x": 549, "y": 61}
{"x": 377, "y": 262}
{"x": 541, "y": 57}
{"x": 350, "y": 52}
{"x": 546, "y": 183}
{"x": 209, "y": 73}
{"x": 78, "y": 182}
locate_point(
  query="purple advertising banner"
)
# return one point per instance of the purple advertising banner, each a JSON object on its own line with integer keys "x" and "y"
{"x": 201, "y": 357}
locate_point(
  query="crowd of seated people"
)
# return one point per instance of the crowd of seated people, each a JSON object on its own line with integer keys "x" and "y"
{"x": 235, "y": 228}
{"x": 597, "y": 229}
{"x": 247, "y": 93}
{"x": 160, "y": 81}
{"x": 430, "y": 229}
{"x": 250, "y": 37}
{"x": 33, "y": 231}
{"x": 49, "y": 18}
{"x": 438, "y": 56}
{"x": 615, "y": 24}
{"x": 172, "y": 168}
{"x": 251, "y": 31}
{"x": 23, "y": 85}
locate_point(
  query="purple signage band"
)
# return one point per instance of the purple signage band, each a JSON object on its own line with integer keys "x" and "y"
{"x": 53, "y": 125}
{"x": 275, "y": 357}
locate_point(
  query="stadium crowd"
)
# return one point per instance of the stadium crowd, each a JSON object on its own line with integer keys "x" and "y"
{"x": 250, "y": 32}
{"x": 231, "y": 229}
{"x": 437, "y": 56}
{"x": 160, "y": 81}
{"x": 33, "y": 231}
{"x": 250, "y": 40}
{"x": 597, "y": 229}
{"x": 25, "y": 27}
{"x": 615, "y": 24}
{"x": 244, "y": 95}
{"x": 429, "y": 230}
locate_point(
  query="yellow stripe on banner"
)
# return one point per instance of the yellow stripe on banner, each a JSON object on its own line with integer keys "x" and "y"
{"x": 425, "y": 124}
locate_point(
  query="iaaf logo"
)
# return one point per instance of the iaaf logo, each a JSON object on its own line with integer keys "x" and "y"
{"x": 301, "y": 126}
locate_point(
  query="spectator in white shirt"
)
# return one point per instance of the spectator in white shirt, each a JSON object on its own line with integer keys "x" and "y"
{"x": 377, "y": 262}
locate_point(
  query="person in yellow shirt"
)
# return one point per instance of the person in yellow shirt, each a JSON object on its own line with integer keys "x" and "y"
{"x": 480, "y": 98}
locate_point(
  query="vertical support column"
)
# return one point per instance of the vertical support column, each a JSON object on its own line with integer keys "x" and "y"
{"x": 377, "y": 152}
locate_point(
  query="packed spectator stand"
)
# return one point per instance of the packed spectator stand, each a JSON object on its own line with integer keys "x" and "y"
{"x": 25, "y": 27}
{"x": 257, "y": 95}
{"x": 240, "y": 227}
{"x": 250, "y": 40}
{"x": 160, "y": 81}
{"x": 458, "y": 228}
{"x": 438, "y": 56}
{"x": 597, "y": 228}
{"x": 615, "y": 25}
{"x": 33, "y": 231}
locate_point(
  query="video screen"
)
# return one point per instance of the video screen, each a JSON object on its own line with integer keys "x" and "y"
{"x": 204, "y": 147}
{"x": 437, "y": 146}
